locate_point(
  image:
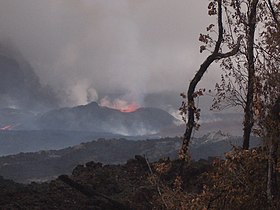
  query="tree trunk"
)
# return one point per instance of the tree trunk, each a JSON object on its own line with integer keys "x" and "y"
{"x": 191, "y": 105}
{"x": 272, "y": 188}
{"x": 274, "y": 132}
{"x": 248, "y": 118}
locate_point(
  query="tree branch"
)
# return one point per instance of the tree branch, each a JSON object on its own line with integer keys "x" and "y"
{"x": 216, "y": 55}
{"x": 90, "y": 193}
{"x": 273, "y": 13}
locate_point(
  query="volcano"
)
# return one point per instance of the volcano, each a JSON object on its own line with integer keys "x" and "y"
{"x": 95, "y": 118}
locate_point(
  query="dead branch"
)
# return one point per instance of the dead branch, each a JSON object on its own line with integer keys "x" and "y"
{"x": 89, "y": 192}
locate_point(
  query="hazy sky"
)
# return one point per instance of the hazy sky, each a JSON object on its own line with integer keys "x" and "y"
{"x": 108, "y": 49}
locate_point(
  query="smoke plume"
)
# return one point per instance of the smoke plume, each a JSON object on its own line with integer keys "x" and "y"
{"x": 107, "y": 50}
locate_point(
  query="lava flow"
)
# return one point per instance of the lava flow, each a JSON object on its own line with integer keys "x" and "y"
{"x": 129, "y": 108}
{"x": 6, "y": 128}
{"x": 119, "y": 104}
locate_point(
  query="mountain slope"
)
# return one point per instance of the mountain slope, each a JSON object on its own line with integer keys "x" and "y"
{"x": 46, "y": 165}
{"x": 15, "y": 118}
{"x": 92, "y": 117}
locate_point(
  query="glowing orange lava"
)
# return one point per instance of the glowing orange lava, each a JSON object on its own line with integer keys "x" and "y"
{"x": 119, "y": 104}
{"x": 6, "y": 128}
{"x": 130, "y": 107}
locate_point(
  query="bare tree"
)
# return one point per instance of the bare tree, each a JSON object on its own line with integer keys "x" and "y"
{"x": 248, "y": 117}
{"x": 190, "y": 107}
{"x": 237, "y": 86}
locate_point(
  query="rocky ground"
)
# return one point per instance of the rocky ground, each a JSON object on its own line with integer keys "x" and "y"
{"x": 97, "y": 186}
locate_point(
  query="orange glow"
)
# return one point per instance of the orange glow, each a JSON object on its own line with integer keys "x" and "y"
{"x": 119, "y": 104}
{"x": 130, "y": 107}
{"x": 6, "y": 128}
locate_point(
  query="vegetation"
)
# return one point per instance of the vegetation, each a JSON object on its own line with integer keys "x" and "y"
{"x": 94, "y": 186}
{"x": 251, "y": 80}
{"x": 238, "y": 182}
{"x": 189, "y": 107}
{"x": 246, "y": 179}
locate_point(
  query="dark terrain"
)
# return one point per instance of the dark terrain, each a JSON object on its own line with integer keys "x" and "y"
{"x": 46, "y": 165}
{"x": 16, "y": 141}
{"x": 94, "y": 186}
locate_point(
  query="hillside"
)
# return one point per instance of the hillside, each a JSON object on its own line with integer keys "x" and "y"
{"x": 95, "y": 118}
{"x": 16, "y": 141}
{"x": 97, "y": 186}
{"x": 142, "y": 184}
{"x": 89, "y": 118}
{"x": 46, "y": 165}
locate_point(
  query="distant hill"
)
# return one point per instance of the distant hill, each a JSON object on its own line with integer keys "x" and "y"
{"x": 92, "y": 117}
{"x": 46, "y": 165}
{"x": 25, "y": 131}
{"x": 14, "y": 119}
{"x": 16, "y": 141}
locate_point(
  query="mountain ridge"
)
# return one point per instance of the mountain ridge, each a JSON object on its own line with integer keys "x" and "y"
{"x": 92, "y": 117}
{"x": 45, "y": 165}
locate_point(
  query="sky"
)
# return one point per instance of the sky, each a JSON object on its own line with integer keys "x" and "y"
{"x": 115, "y": 52}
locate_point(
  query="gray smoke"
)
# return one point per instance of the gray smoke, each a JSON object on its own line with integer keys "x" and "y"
{"x": 20, "y": 87}
{"x": 89, "y": 50}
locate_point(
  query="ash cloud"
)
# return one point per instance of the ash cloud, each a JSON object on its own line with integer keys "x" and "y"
{"x": 19, "y": 86}
{"x": 88, "y": 50}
